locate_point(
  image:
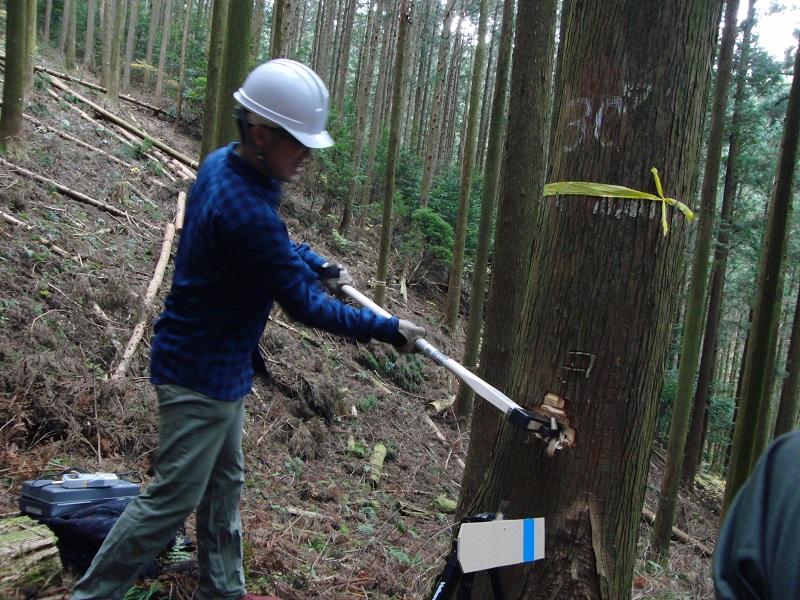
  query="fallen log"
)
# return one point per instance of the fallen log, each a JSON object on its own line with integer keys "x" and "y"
{"x": 375, "y": 466}
{"x": 26, "y": 547}
{"x": 73, "y": 139}
{"x": 681, "y": 536}
{"x": 74, "y": 194}
{"x": 125, "y": 125}
{"x": 95, "y": 87}
{"x": 180, "y": 211}
{"x": 152, "y": 289}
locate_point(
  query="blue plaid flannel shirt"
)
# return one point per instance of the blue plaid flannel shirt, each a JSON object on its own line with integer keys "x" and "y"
{"x": 234, "y": 260}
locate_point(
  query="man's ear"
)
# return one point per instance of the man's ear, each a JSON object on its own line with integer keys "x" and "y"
{"x": 260, "y": 136}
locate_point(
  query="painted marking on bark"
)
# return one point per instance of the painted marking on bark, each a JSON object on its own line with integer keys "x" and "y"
{"x": 578, "y": 362}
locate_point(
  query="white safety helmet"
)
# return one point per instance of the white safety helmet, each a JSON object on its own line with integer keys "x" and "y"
{"x": 288, "y": 94}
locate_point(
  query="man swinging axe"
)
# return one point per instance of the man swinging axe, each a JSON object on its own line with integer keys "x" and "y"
{"x": 234, "y": 260}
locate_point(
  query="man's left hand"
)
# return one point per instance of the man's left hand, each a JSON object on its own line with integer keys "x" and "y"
{"x": 334, "y": 276}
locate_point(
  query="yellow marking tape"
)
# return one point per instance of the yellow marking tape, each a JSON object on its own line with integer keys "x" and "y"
{"x": 605, "y": 190}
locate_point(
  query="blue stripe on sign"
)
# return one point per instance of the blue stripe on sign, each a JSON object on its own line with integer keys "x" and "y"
{"x": 527, "y": 540}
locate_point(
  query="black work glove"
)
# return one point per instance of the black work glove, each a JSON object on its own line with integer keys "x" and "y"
{"x": 333, "y": 277}
{"x": 407, "y": 335}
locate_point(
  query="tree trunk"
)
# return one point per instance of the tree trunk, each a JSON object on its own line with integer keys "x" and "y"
{"x": 107, "y": 23}
{"x": 435, "y": 122}
{"x": 343, "y": 60}
{"x": 162, "y": 57}
{"x": 591, "y": 331}
{"x": 694, "y": 441}
{"x": 276, "y": 38}
{"x": 72, "y": 30}
{"x": 788, "y": 407}
{"x": 117, "y": 23}
{"x": 693, "y": 327}
{"x": 372, "y": 37}
{"x": 216, "y": 48}
{"x": 491, "y": 179}
{"x": 30, "y": 45}
{"x": 750, "y": 405}
{"x": 234, "y": 68}
{"x": 88, "y": 43}
{"x": 453, "y": 302}
{"x": 65, "y": 13}
{"x": 258, "y": 27}
{"x": 152, "y": 29}
{"x": 488, "y": 91}
{"x": 14, "y": 80}
{"x": 182, "y": 68}
{"x": 133, "y": 20}
{"x": 375, "y": 123}
{"x": 48, "y": 14}
{"x": 392, "y": 153}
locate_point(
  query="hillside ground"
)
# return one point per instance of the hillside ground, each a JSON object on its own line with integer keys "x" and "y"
{"x": 72, "y": 279}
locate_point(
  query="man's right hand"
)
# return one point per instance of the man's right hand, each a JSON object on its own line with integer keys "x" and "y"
{"x": 407, "y": 335}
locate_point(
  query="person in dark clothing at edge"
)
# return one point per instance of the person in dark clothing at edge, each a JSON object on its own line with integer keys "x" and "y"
{"x": 757, "y": 555}
{"x": 234, "y": 259}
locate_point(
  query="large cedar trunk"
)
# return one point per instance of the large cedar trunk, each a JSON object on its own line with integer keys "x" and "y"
{"x": 603, "y": 280}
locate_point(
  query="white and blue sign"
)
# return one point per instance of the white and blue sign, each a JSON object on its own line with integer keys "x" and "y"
{"x": 484, "y": 546}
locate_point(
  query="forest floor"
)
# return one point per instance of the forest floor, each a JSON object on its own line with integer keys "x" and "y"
{"x": 72, "y": 279}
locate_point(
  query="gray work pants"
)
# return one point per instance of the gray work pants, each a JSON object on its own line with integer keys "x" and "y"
{"x": 200, "y": 466}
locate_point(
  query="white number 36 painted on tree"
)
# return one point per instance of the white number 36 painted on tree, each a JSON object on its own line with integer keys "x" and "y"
{"x": 603, "y": 123}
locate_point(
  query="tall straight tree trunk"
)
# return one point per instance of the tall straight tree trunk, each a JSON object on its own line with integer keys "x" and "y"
{"x": 788, "y": 408}
{"x": 437, "y": 109}
{"x": 48, "y": 14}
{"x": 88, "y": 44}
{"x": 30, "y": 45}
{"x": 276, "y": 41}
{"x": 14, "y": 76}
{"x": 117, "y": 24}
{"x": 372, "y": 38}
{"x": 234, "y": 68}
{"x": 133, "y": 19}
{"x": 392, "y": 153}
{"x": 258, "y": 28}
{"x": 107, "y": 21}
{"x": 375, "y": 123}
{"x": 693, "y": 327}
{"x": 488, "y": 91}
{"x": 694, "y": 440}
{"x": 65, "y": 13}
{"x": 152, "y": 29}
{"x": 216, "y": 48}
{"x": 340, "y": 81}
{"x": 72, "y": 32}
{"x": 750, "y": 402}
{"x": 592, "y": 331}
{"x": 182, "y": 68}
{"x": 491, "y": 179}
{"x": 453, "y": 302}
{"x": 162, "y": 56}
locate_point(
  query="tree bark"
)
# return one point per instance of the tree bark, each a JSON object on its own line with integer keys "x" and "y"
{"x": 366, "y": 75}
{"x": 343, "y": 57}
{"x": 88, "y": 43}
{"x": 182, "y": 68}
{"x": 14, "y": 82}
{"x": 276, "y": 39}
{"x": 65, "y": 14}
{"x": 133, "y": 20}
{"x": 786, "y": 419}
{"x": 750, "y": 402}
{"x": 437, "y": 108}
{"x": 393, "y": 152}
{"x": 48, "y": 14}
{"x": 211, "y": 110}
{"x": 591, "y": 331}
{"x": 72, "y": 30}
{"x": 152, "y": 29}
{"x": 494, "y": 155}
{"x": 693, "y": 326}
{"x": 117, "y": 22}
{"x": 453, "y": 301}
{"x": 162, "y": 57}
{"x": 234, "y": 68}
{"x": 30, "y": 45}
{"x": 258, "y": 27}
{"x": 694, "y": 441}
